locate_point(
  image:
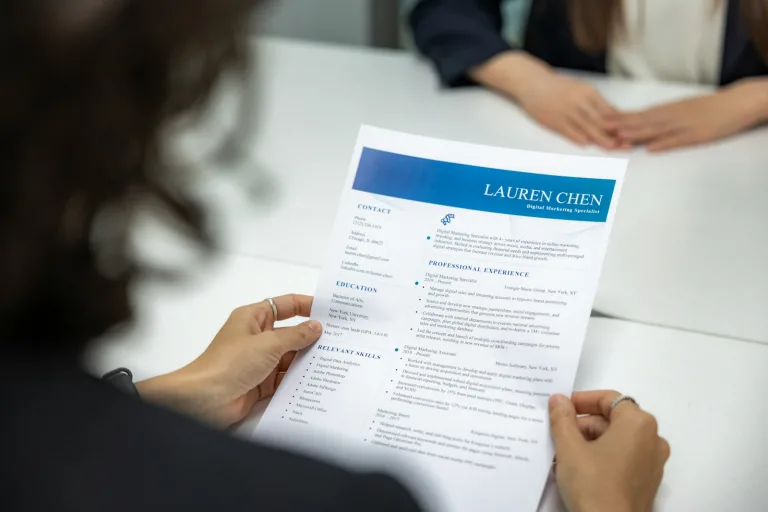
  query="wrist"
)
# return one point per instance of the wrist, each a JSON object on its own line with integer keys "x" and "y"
{"x": 605, "y": 501}
{"x": 606, "y": 506}
{"x": 183, "y": 391}
{"x": 753, "y": 93}
{"x": 512, "y": 72}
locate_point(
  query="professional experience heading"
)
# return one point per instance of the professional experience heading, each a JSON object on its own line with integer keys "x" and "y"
{"x": 476, "y": 268}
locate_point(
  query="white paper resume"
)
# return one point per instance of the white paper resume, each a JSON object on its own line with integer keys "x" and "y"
{"x": 455, "y": 301}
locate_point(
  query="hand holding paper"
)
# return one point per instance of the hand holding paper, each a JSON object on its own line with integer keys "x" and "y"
{"x": 454, "y": 301}
{"x": 598, "y": 472}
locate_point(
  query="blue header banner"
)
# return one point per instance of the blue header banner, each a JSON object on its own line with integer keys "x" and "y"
{"x": 482, "y": 188}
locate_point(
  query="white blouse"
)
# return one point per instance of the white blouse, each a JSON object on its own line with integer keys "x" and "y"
{"x": 676, "y": 40}
{"x": 679, "y": 40}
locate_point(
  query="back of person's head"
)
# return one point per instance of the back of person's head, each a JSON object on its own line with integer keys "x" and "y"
{"x": 86, "y": 88}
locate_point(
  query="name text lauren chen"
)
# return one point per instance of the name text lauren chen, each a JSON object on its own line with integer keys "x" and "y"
{"x": 543, "y": 196}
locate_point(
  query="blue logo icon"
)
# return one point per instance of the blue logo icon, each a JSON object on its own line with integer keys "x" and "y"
{"x": 447, "y": 219}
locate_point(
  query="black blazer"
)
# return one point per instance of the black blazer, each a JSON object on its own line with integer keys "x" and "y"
{"x": 70, "y": 442}
{"x": 457, "y": 35}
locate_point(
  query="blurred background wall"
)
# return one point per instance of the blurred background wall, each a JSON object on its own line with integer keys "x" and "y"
{"x": 364, "y": 22}
{"x": 354, "y": 22}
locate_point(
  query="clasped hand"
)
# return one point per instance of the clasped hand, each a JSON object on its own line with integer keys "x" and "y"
{"x": 579, "y": 112}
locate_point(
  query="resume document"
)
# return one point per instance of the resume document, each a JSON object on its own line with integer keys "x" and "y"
{"x": 455, "y": 300}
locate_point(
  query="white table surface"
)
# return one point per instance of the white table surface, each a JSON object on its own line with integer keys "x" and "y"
{"x": 688, "y": 246}
{"x": 708, "y": 393}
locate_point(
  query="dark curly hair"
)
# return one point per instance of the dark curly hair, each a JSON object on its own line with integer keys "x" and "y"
{"x": 86, "y": 89}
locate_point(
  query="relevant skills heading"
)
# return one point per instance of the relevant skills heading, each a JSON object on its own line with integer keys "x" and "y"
{"x": 543, "y": 196}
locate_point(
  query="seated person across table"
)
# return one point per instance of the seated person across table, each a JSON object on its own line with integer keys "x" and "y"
{"x": 717, "y": 42}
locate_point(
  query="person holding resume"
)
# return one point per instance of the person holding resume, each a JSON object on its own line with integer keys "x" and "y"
{"x": 88, "y": 88}
{"x": 716, "y": 42}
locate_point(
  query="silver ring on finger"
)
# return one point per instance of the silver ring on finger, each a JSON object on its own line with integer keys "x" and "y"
{"x": 622, "y": 398}
{"x": 274, "y": 309}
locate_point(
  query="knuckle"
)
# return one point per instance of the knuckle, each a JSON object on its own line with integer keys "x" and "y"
{"x": 247, "y": 309}
{"x": 648, "y": 423}
{"x": 666, "y": 450}
{"x": 305, "y": 334}
{"x": 238, "y": 312}
{"x": 295, "y": 302}
{"x": 557, "y": 415}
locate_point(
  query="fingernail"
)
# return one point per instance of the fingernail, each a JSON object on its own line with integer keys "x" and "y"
{"x": 315, "y": 326}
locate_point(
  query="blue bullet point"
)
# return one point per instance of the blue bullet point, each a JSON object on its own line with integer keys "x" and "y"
{"x": 397, "y": 350}
{"x": 429, "y": 238}
{"x": 417, "y": 283}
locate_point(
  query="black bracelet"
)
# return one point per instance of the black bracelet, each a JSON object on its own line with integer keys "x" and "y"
{"x": 122, "y": 379}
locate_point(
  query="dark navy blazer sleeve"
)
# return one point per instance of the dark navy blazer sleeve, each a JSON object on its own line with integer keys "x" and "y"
{"x": 457, "y": 35}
